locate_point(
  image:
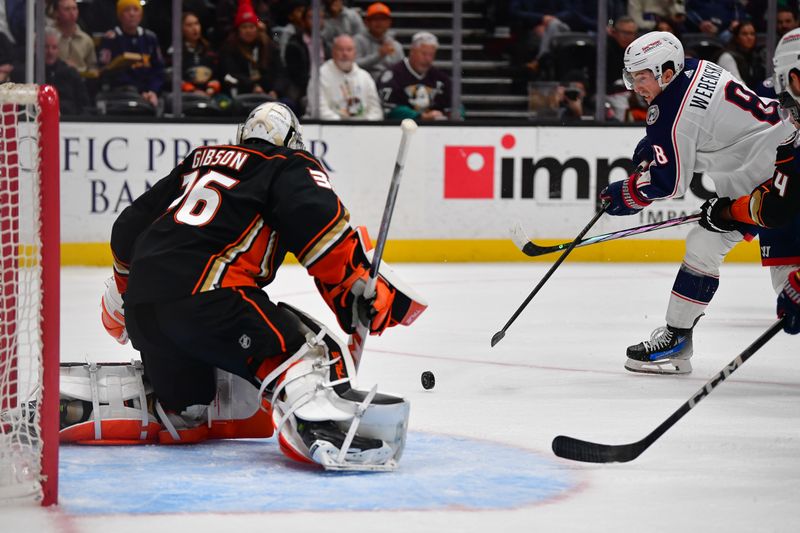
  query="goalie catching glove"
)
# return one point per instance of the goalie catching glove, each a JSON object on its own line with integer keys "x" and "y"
{"x": 341, "y": 277}
{"x": 113, "y": 314}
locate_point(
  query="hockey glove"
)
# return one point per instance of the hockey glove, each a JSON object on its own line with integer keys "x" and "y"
{"x": 713, "y": 216}
{"x": 789, "y": 304}
{"x": 113, "y": 314}
{"x": 623, "y": 198}
{"x": 341, "y": 278}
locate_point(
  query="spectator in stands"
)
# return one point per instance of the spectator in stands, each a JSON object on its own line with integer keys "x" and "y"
{"x": 200, "y": 63}
{"x": 376, "y": 50}
{"x": 573, "y": 99}
{"x": 295, "y": 14}
{"x": 743, "y": 58}
{"x": 76, "y": 47}
{"x": 786, "y": 20}
{"x": 7, "y": 51}
{"x": 298, "y": 55}
{"x": 225, "y": 12}
{"x": 249, "y": 61}
{"x": 341, "y": 20}
{"x": 647, "y": 13}
{"x": 620, "y": 35}
{"x": 16, "y": 11}
{"x": 130, "y": 56}
{"x": 713, "y": 17}
{"x": 347, "y": 92}
{"x": 72, "y": 95}
{"x": 414, "y": 88}
{"x": 536, "y": 22}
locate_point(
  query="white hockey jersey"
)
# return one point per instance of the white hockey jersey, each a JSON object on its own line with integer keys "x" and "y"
{"x": 347, "y": 95}
{"x": 708, "y": 121}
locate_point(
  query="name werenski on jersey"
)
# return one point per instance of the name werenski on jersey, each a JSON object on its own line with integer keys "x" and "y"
{"x": 212, "y": 157}
{"x": 709, "y": 78}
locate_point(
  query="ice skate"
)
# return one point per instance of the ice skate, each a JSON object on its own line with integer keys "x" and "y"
{"x": 325, "y": 441}
{"x": 667, "y": 352}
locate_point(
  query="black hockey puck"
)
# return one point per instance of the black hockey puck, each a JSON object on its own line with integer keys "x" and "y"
{"x": 428, "y": 380}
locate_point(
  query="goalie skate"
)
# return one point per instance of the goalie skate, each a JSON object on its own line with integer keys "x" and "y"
{"x": 320, "y": 418}
{"x": 667, "y": 352}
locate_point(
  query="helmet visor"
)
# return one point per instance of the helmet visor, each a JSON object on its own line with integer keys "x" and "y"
{"x": 627, "y": 77}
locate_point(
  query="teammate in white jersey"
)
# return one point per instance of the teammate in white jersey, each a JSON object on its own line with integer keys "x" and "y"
{"x": 700, "y": 119}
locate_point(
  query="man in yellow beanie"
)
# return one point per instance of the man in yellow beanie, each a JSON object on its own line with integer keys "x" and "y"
{"x": 146, "y": 74}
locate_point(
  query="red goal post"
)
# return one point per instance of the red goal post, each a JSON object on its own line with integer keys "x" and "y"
{"x": 29, "y": 293}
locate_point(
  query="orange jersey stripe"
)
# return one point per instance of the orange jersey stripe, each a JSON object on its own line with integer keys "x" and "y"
{"x": 251, "y": 264}
{"x": 322, "y": 232}
{"x": 213, "y": 258}
{"x": 256, "y": 152}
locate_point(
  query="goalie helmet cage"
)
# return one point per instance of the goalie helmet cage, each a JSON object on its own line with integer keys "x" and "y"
{"x": 29, "y": 293}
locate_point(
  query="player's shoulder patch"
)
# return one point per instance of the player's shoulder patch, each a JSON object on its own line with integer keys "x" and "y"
{"x": 387, "y": 76}
{"x": 689, "y": 73}
{"x": 652, "y": 115}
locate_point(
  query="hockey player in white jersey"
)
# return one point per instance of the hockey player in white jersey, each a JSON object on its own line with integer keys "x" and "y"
{"x": 774, "y": 205}
{"x": 700, "y": 119}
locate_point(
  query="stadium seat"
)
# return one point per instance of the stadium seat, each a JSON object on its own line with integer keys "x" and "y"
{"x": 701, "y": 46}
{"x": 195, "y": 105}
{"x": 572, "y": 52}
{"x": 123, "y": 102}
{"x": 244, "y": 103}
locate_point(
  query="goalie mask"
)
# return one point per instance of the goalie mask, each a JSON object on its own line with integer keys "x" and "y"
{"x": 785, "y": 61}
{"x": 655, "y": 51}
{"x": 272, "y": 122}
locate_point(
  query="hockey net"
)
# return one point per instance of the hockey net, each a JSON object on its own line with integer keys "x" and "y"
{"x": 29, "y": 293}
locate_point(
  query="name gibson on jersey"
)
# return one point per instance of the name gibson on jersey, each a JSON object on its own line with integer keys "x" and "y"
{"x": 212, "y": 157}
{"x": 709, "y": 78}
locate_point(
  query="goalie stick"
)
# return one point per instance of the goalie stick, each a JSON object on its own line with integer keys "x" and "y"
{"x": 592, "y": 452}
{"x": 357, "y": 339}
{"x": 497, "y": 337}
{"x": 530, "y": 248}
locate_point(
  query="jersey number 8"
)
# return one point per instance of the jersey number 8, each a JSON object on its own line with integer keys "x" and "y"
{"x": 746, "y": 99}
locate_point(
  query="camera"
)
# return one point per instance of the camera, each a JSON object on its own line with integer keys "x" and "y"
{"x": 572, "y": 93}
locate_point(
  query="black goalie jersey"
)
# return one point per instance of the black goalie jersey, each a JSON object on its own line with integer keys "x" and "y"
{"x": 226, "y": 217}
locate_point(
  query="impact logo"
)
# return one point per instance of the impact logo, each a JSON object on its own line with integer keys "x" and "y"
{"x": 470, "y": 172}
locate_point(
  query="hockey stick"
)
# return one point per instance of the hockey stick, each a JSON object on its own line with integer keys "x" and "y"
{"x": 591, "y": 452}
{"x": 502, "y": 333}
{"x": 357, "y": 339}
{"x": 530, "y": 248}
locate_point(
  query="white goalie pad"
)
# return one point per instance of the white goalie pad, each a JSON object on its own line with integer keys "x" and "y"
{"x": 122, "y": 408}
{"x": 119, "y": 404}
{"x": 314, "y": 389}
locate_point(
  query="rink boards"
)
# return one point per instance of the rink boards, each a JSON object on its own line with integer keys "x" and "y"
{"x": 462, "y": 189}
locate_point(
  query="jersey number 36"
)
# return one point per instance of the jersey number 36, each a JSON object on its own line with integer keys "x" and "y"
{"x": 200, "y": 200}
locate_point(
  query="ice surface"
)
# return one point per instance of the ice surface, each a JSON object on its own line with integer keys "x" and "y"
{"x": 732, "y": 464}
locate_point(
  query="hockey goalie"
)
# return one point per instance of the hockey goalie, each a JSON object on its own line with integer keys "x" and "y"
{"x": 219, "y": 358}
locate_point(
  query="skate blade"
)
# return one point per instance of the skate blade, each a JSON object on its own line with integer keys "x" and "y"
{"x": 667, "y": 366}
{"x": 390, "y": 466}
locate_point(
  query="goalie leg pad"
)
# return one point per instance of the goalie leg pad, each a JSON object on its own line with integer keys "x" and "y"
{"x": 321, "y": 418}
{"x": 235, "y": 413}
{"x": 102, "y": 404}
{"x": 116, "y": 397}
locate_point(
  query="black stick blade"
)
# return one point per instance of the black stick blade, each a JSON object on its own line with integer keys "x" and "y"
{"x": 591, "y": 452}
{"x": 530, "y": 248}
{"x": 497, "y": 337}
